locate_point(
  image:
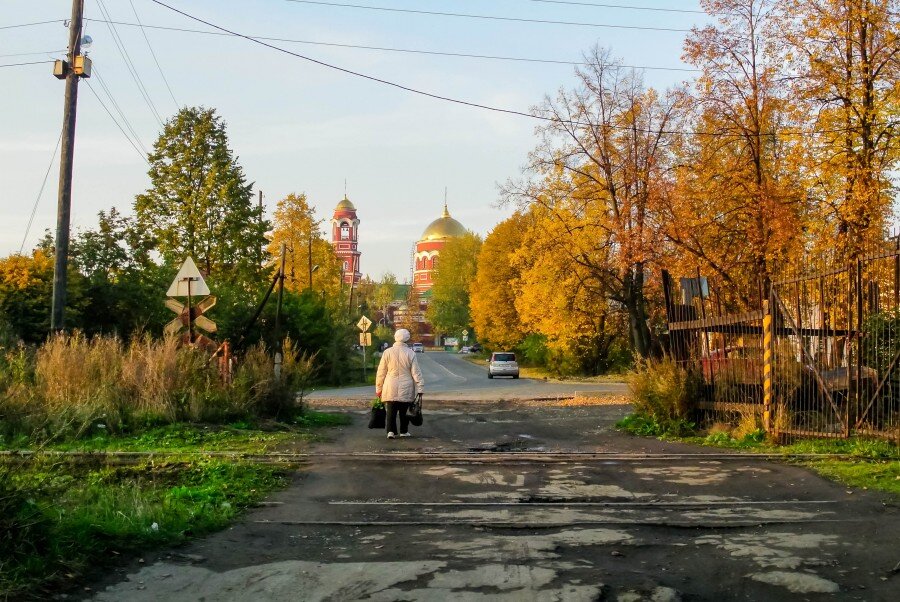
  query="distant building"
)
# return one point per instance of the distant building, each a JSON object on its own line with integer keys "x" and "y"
{"x": 428, "y": 249}
{"x": 345, "y": 240}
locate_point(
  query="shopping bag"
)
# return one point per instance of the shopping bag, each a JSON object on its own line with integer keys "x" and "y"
{"x": 415, "y": 411}
{"x": 377, "y": 417}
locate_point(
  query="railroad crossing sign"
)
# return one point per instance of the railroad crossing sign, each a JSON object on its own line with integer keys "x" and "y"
{"x": 189, "y": 283}
{"x": 196, "y": 313}
{"x": 364, "y": 324}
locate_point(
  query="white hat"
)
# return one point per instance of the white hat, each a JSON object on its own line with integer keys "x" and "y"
{"x": 401, "y": 336}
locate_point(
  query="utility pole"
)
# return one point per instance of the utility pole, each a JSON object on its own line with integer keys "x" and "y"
{"x": 310, "y": 257}
{"x": 71, "y": 71}
{"x": 262, "y": 231}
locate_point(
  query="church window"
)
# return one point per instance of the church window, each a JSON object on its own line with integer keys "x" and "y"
{"x": 345, "y": 232}
{"x": 346, "y": 265}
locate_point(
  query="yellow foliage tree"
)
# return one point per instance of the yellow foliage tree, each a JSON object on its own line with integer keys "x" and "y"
{"x": 493, "y": 292}
{"x": 847, "y": 56}
{"x": 310, "y": 261}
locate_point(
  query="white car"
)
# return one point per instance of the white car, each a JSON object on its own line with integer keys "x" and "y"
{"x": 503, "y": 363}
{"x": 418, "y": 347}
{"x": 465, "y": 350}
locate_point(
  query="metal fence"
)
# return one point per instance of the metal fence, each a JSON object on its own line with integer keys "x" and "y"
{"x": 819, "y": 355}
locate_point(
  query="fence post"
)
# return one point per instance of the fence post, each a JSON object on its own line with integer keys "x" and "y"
{"x": 768, "y": 348}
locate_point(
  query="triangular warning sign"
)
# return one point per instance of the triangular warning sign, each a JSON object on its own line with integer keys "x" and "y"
{"x": 188, "y": 282}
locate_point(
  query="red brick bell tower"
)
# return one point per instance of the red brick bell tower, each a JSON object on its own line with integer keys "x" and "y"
{"x": 345, "y": 239}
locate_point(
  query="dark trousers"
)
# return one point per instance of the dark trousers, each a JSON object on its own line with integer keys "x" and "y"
{"x": 393, "y": 408}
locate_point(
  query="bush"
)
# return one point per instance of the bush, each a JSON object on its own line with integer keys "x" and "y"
{"x": 663, "y": 389}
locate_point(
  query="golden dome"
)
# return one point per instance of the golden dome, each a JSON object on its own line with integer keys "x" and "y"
{"x": 443, "y": 227}
{"x": 345, "y": 205}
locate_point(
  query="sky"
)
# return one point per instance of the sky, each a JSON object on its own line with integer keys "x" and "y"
{"x": 296, "y": 126}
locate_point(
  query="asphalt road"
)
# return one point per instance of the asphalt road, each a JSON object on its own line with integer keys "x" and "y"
{"x": 521, "y": 501}
{"x": 450, "y": 377}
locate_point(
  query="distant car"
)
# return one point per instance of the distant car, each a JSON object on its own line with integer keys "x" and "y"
{"x": 464, "y": 350}
{"x": 418, "y": 347}
{"x": 476, "y": 348}
{"x": 503, "y": 363}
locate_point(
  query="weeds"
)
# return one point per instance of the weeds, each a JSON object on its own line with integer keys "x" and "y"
{"x": 74, "y": 387}
{"x": 53, "y": 533}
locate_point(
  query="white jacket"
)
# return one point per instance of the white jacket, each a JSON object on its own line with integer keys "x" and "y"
{"x": 399, "y": 377}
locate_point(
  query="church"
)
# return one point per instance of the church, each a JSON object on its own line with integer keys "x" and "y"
{"x": 345, "y": 240}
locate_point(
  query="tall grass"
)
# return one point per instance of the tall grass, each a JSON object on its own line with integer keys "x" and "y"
{"x": 73, "y": 384}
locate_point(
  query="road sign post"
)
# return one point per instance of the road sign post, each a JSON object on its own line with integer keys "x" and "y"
{"x": 365, "y": 338}
{"x": 189, "y": 283}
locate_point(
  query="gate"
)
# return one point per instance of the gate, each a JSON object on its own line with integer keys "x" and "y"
{"x": 820, "y": 357}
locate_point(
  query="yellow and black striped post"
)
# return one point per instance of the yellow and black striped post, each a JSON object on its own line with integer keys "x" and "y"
{"x": 767, "y": 367}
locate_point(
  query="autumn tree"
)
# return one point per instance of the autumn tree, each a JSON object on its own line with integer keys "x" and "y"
{"x": 457, "y": 264}
{"x": 26, "y": 283}
{"x": 494, "y": 290}
{"x": 310, "y": 261}
{"x": 846, "y": 54}
{"x": 601, "y": 168}
{"x": 199, "y": 202}
{"x": 736, "y": 209}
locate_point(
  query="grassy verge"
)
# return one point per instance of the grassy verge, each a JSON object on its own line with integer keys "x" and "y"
{"x": 61, "y": 523}
{"x": 872, "y": 463}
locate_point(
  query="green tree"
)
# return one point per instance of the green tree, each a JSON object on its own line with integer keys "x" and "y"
{"x": 123, "y": 287}
{"x": 448, "y": 308}
{"x": 199, "y": 202}
{"x": 385, "y": 293}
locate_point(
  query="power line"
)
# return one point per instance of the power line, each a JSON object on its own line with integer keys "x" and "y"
{"x": 153, "y": 54}
{"x": 622, "y": 6}
{"x": 489, "y": 107}
{"x": 33, "y": 53}
{"x": 486, "y": 17}
{"x": 17, "y": 25}
{"x": 390, "y": 49}
{"x": 127, "y": 137}
{"x": 40, "y": 194}
{"x": 28, "y": 63}
{"x": 129, "y": 63}
{"x": 119, "y": 110}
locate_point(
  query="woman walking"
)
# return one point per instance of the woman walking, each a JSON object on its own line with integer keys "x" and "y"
{"x": 398, "y": 382}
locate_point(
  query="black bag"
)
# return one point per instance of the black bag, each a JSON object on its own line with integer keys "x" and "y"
{"x": 415, "y": 411}
{"x": 377, "y": 417}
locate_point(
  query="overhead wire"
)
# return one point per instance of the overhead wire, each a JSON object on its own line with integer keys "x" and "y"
{"x": 622, "y": 6}
{"x": 119, "y": 110}
{"x": 486, "y": 17}
{"x": 153, "y": 54}
{"x": 387, "y": 48}
{"x": 33, "y": 53}
{"x": 28, "y": 63}
{"x": 476, "y": 105}
{"x": 18, "y": 25}
{"x": 127, "y": 137}
{"x": 40, "y": 193}
{"x": 135, "y": 75}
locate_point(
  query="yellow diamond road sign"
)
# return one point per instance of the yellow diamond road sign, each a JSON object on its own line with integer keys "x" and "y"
{"x": 364, "y": 323}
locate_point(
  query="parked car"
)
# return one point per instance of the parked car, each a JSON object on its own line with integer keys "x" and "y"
{"x": 503, "y": 363}
{"x": 476, "y": 348}
{"x": 418, "y": 347}
{"x": 464, "y": 350}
